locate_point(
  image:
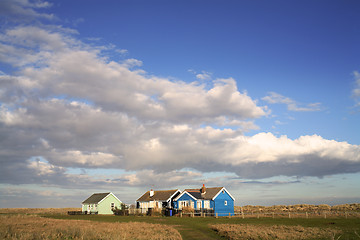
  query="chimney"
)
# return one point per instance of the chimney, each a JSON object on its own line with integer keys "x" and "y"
{"x": 151, "y": 193}
{"x": 203, "y": 189}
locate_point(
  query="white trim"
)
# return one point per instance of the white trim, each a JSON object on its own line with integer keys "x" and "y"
{"x": 221, "y": 191}
{"x": 183, "y": 194}
{"x": 110, "y": 193}
{"x": 173, "y": 195}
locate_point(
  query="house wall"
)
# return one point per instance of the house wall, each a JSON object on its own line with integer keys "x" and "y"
{"x": 219, "y": 204}
{"x": 104, "y": 207}
{"x": 89, "y": 207}
{"x": 151, "y": 204}
{"x": 184, "y": 197}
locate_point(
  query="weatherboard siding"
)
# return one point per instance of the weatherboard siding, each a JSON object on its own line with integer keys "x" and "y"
{"x": 89, "y": 207}
{"x": 184, "y": 197}
{"x": 104, "y": 207}
{"x": 218, "y": 204}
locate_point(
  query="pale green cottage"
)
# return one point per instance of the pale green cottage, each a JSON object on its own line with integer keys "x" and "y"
{"x": 101, "y": 203}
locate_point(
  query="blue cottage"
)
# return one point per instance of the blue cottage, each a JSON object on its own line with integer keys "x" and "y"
{"x": 217, "y": 198}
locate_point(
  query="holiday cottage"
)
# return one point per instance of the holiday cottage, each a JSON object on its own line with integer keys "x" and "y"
{"x": 101, "y": 203}
{"x": 217, "y": 199}
{"x": 156, "y": 199}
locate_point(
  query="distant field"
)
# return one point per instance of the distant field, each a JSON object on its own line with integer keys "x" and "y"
{"x": 55, "y": 224}
{"x": 37, "y": 210}
{"x": 354, "y": 207}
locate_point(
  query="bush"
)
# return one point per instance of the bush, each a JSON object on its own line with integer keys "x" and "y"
{"x": 123, "y": 211}
{"x": 187, "y": 210}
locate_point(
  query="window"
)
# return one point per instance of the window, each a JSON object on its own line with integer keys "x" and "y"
{"x": 183, "y": 204}
{"x": 207, "y": 204}
{"x": 112, "y": 205}
{"x": 225, "y": 203}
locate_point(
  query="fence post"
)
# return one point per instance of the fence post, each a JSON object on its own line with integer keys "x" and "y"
{"x": 306, "y": 215}
{"x": 229, "y": 215}
{"x": 289, "y": 215}
{"x": 216, "y": 215}
{"x": 242, "y": 212}
{"x": 325, "y": 215}
{"x": 273, "y": 214}
{"x": 181, "y": 214}
{"x": 346, "y": 215}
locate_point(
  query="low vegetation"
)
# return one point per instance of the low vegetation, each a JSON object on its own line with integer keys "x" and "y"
{"x": 246, "y": 231}
{"x": 34, "y": 227}
{"x": 354, "y": 207}
{"x": 62, "y": 211}
{"x": 54, "y": 223}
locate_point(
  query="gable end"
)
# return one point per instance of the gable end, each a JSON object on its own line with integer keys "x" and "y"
{"x": 223, "y": 189}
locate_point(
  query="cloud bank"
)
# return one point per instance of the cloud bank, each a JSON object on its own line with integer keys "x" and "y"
{"x": 69, "y": 106}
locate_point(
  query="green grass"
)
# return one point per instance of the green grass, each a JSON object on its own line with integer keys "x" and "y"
{"x": 198, "y": 228}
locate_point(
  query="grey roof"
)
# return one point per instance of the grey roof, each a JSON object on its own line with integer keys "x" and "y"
{"x": 161, "y": 195}
{"x": 96, "y": 197}
{"x": 209, "y": 194}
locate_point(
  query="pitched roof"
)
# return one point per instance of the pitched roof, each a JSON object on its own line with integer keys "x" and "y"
{"x": 96, "y": 197}
{"x": 209, "y": 194}
{"x": 161, "y": 195}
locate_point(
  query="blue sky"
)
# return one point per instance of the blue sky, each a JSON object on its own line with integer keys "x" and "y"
{"x": 261, "y": 97}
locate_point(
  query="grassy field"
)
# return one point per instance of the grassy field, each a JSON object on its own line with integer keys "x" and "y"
{"x": 26, "y": 227}
{"x": 196, "y": 228}
{"x": 213, "y": 228}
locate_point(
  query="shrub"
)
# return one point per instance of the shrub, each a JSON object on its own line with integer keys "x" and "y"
{"x": 123, "y": 211}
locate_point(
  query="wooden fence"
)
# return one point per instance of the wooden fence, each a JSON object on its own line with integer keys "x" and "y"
{"x": 253, "y": 214}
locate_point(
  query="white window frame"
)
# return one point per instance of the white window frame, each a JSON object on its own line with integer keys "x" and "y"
{"x": 225, "y": 203}
{"x": 183, "y": 204}
{"x": 206, "y": 204}
{"x": 198, "y": 204}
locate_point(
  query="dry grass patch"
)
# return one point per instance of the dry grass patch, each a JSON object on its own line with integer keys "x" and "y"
{"x": 34, "y": 227}
{"x": 37, "y": 210}
{"x": 354, "y": 207}
{"x": 245, "y": 231}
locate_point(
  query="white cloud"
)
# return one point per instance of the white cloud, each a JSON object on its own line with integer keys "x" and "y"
{"x": 122, "y": 51}
{"x": 75, "y": 108}
{"x": 23, "y": 10}
{"x": 54, "y": 70}
{"x": 275, "y": 98}
{"x": 129, "y": 63}
{"x": 203, "y": 75}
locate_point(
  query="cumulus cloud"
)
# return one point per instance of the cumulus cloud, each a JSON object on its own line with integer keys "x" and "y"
{"x": 20, "y": 10}
{"x": 204, "y": 75}
{"x": 292, "y": 105}
{"x": 69, "y": 106}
